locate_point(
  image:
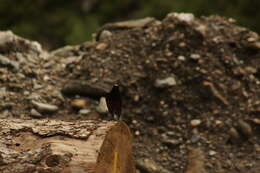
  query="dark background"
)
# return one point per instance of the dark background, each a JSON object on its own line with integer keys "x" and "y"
{"x": 55, "y": 23}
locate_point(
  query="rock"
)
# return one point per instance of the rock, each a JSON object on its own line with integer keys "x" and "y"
{"x": 137, "y": 132}
{"x": 84, "y": 111}
{"x": 36, "y": 86}
{"x": 171, "y": 142}
{"x": 245, "y": 128}
{"x": 84, "y": 88}
{"x": 44, "y": 107}
{"x": 148, "y": 165}
{"x": 101, "y": 46}
{"x": 234, "y": 136}
{"x": 105, "y": 34}
{"x": 182, "y": 17}
{"x": 58, "y": 94}
{"x": 46, "y": 78}
{"x": 195, "y": 122}
{"x": 5, "y": 114}
{"x": 64, "y": 52}
{"x": 3, "y": 92}
{"x": 195, "y": 138}
{"x": 212, "y": 153}
{"x": 6, "y": 62}
{"x": 166, "y": 82}
{"x": 138, "y": 23}
{"x": 195, "y": 56}
{"x": 102, "y": 107}
{"x": 181, "y": 58}
{"x": 26, "y": 93}
{"x": 79, "y": 103}
{"x": 9, "y": 42}
{"x": 218, "y": 122}
{"x": 256, "y": 121}
{"x": 150, "y": 118}
{"x": 36, "y": 114}
{"x": 134, "y": 121}
{"x": 250, "y": 70}
{"x": 33, "y": 96}
{"x": 6, "y": 37}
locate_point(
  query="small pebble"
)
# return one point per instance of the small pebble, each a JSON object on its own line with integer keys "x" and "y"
{"x": 46, "y": 78}
{"x": 105, "y": 34}
{"x": 44, "y": 107}
{"x": 195, "y": 122}
{"x": 79, "y": 103}
{"x": 195, "y": 56}
{"x": 212, "y": 153}
{"x": 257, "y": 121}
{"x": 218, "y": 122}
{"x": 101, "y": 46}
{"x": 169, "y": 81}
{"x": 134, "y": 121}
{"x": 245, "y": 128}
{"x": 37, "y": 86}
{"x": 234, "y": 135}
{"x": 102, "y": 107}
{"x": 137, "y": 132}
{"x": 194, "y": 138}
{"x": 36, "y": 114}
{"x": 181, "y": 58}
{"x": 84, "y": 111}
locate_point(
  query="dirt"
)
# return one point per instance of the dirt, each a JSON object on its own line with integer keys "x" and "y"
{"x": 189, "y": 85}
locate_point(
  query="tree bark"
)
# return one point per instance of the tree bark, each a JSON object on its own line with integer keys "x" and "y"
{"x": 55, "y": 146}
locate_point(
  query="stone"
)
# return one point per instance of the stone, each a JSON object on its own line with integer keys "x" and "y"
{"x": 245, "y": 128}
{"x": 166, "y": 82}
{"x": 58, "y": 94}
{"x": 182, "y": 17}
{"x": 195, "y": 122}
{"x": 84, "y": 111}
{"x": 4, "y": 114}
{"x": 37, "y": 86}
{"x": 137, "y": 132}
{"x": 171, "y": 142}
{"x": 79, "y": 103}
{"x": 105, "y": 34}
{"x": 4, "y": 61}
{"x": 148, "y": 165}
{"x": 18, "y": 44}
{"x": 195, "y": 56}
{"x": 44, "y": 107}
{"x": 33, "y": 96}
{"x": 78, "y": 87}
{"x": 233, "y": 135}
{"x": 101, "y": 46}
{"x": 195, "y": 138}
{"x": 102, "y": 106}
{"x": 36, "y": 114}
{"x": 66, "y": 51}
{"x": 181, "y": 58}
{"x": 212, "y": 153}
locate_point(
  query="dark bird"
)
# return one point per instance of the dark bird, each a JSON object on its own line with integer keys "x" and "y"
{"x": 114, "y": 102}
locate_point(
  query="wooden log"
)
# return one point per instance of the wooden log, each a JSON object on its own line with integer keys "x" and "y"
{"x": 55, "y": 146}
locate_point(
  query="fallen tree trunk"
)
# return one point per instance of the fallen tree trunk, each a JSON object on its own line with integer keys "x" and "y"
{"x": 52, "y": 146}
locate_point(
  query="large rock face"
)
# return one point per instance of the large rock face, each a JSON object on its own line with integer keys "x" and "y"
{"x": 186, "y": 82}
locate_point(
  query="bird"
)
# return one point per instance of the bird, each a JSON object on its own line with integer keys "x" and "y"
{"x": 114, "y": 102}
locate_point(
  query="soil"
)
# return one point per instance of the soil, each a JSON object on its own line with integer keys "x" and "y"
{"x": 190, "y": 89}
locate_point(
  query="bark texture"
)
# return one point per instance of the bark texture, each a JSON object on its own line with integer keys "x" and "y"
{"x": 55, "y": 146}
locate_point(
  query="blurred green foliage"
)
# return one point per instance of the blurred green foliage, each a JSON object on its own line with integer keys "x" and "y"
{"x": 57, "y": 23}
